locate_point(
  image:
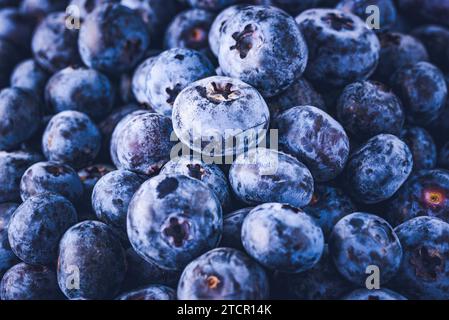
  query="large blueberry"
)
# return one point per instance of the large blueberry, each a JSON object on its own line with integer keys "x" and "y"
{"x": 152, "y": 292}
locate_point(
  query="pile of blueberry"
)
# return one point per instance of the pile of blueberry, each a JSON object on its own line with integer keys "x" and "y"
{"x": 109, "y": 109}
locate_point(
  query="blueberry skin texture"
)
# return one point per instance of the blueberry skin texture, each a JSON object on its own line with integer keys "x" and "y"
{"x": 422, "y": 146}
{"x": 40, "y": 8}
{"x": 111, "y": 196}
{"x": 71, "y": 137}
{"x": 113, "y": 39}
{"x": 209, "y": 112}
{"x": 232, "y": 229}
{"x": 214, "y": 5}
{"x": 9, "y": 57}
{"x": 81, "y": 89}
{"x": 28, "y": 282}
{"x": 7, "y": 256}
{"x": 153, "y": 292}
{"x": 266, "y": 175}
{"x": 189, "y": 29}
{"x": 378, "y": 168}
{"x": 29, "y": 75}
{"x": 99, "y": 256}
{"x": 12, "y": 167}
{"x": 50, "y": 176}
{"x": 173, "y": 219}
{"x": 436, "y": 40}
{"x": 210, "y": 174}
{"x": 139, "y": 80}
{"x": 424, "y": 194}
{"x": 223, "y": 274}
{"x": 54, "y": 46}
{"x": 144, "y": 144}
{"x": 16, "y": 27}
{"x": 20, "y": 114}
{"x": 431, "y": 10}
{"x": 367, "y": 108}
{"x": 397, "y": 50}
{"x": 360, "y": 240}
{"x": 328, "y": 205}
{"x": 315, "y": 138}
{"x": 329, "y": 33}
{"x": 424, "y": 269}
{"x": 263, "y": 47}
{"x": 366, "y": 294}
{"x": 37, "y": 226}
{"x": 423, "y": 91}
{"x": 282, "y": 238}
{"x": 387, "y": 11}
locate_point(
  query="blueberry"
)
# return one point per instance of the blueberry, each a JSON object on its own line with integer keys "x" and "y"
{"x": 424, "y": 270}
{"x": 315, "y": 138}
{"x": 20, "y": 114}
{"x": 12, "y": 167}
{"x": 29, "y": 75}
{"x": 40, "y": 8}
{"x": 172, "y": 219}
{"x": 380, "y": 294}
{"x": 282, "y": 237}
{"x": 263, "y": 47}
{"x": 172, "y": 71}
{"x": 92, "y": 252}
{"x": 37, "y": 226}
{"x": 266, "y": 175}
{"x": 189, "y": 29}
{"x": 212, "y": 5}
{"x": 144, "y": 144}
{"x": 378, "y": 168}
{"x": 367, "y": 108}
{"x": 86, "y": 7}
{"x": 436, "y": 40}
{"x": 139, "y": 81}
{"x": 9, "y": 57}
{"x": 232, "y": 229}
{"x": 16, "y": 27}
{"x": 329, "y": 204}
{"x": 27, "y": 282}
{"x": 7, "y": 256}
{"x": 398, "y": 50}
{"x": 423, "y": 91}
{"x": 71, "y": 137}
{"x": 152, "y": 292}
{"x": 430, "y": 10}
{"x": 54, "y": 45}
{"x": 80, "y": 89}
{"x": 360, "y": 240}
{"x": 113, "y": 39}
{"x": 223, "y": 274}
{"x": 111, "y": 196}
{"x": 210, "y": 174}
{"x": 220, "y": 116}
{"x": 329, "y": 34}
{"x": 54, "y": 177}
{"x": 424, "y": 194}
{"x": 422, "y": 146}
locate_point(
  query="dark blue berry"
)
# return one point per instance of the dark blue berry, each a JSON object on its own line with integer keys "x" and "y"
{"x": 436, "y": 40}
{"x": 232, "y": 229}
{"x": 422, "y": 146}
{"x": 29, "y": 75}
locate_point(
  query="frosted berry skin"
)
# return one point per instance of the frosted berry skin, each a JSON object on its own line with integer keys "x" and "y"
{"x": 266, "y": 175}
{"x": 424, "y": 194}
{"x": 152, "y": 292}
{"x": 210, "y": 174}
{"x": 282, "y": 238}
{"x": 139, "y": 80}
{"x": 54, "y": 46}
{"x": 20, "y": 114}
{"x": 436, "y": 40}
{"x": 328, "y": 34}
{"x": 37, "y": 226}
{"x": 380, "y": 294}
{"x": 28, "y": 282}
{"x": 378, "y": 169}
{"x": 144, "y": 144}
{"x": 424, "y": 269}
{"x": 360, "y": 240}
{"x": 80, "y": 89}
{"x": 315, "y": 138}
{"x": 50, "y": 176}
{"x": 211, "y": 113}
{"x": 422, "y": 146}
{"x": 423, "y": 91}
{"x": 367, "y": 108}
{"x": 223, "y": 274}
{"x": 263, "y": 47}
{"x": 7, "y": 256}
{"x": 71, "y": 137}
{"x": 29, "y": 75}
{"x": 232, "y": 229}
{"x": 94, "y": 249}
{"x": 12, "y": 167}
{"x": 173, "y": 219}
{"x": 172, "y": 71}
{"x": 113, "y": 39}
